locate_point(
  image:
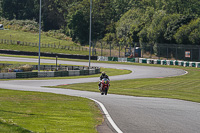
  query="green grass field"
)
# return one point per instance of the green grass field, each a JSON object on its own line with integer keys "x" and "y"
{"x": 184, "y": 87}
{"x": 22, "y": 112}
{"x": 34, "y": 38}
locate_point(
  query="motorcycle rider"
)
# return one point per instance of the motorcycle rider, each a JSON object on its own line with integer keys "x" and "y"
{"x": 103, "y": 75}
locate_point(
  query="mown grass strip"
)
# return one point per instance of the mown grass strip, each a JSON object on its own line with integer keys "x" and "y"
{"x": 184, "y": 87}
{"x": 45, "y": 112}
{"x": 6, "y": 127}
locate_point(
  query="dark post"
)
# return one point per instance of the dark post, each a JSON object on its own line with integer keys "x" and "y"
{"x": 151, "y": 47}
{"x": 134, "y": 48}
{"x": 176, "y": 52}
{"x": 110, "y": 49}
{"x": 159, "y": 51}
{"x": 199, "y": 53}
{"x": 184, "y": 54}
{"x": 101, "y": 48}
{"x": 142, "y": 51}
{"x": 119, "y": 49}
{"x": 191, "y": 54}
{"x": 93, "y": 45}
{"x": 167, "y": 51}
{"x": 56, "y": 62}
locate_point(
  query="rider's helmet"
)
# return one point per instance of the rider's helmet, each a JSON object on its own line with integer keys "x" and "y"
{"x": 103, "y": 73}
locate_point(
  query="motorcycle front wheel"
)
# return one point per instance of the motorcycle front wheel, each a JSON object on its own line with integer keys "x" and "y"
{"x": 106, "y": 91}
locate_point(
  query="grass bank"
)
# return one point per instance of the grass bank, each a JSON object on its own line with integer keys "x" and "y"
{"x": 44, "y": 112}
{"x": 35, "y": 49}
{"x": 32, "y": 37}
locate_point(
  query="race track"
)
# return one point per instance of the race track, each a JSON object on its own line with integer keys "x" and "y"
{"x": 131, "y": 114}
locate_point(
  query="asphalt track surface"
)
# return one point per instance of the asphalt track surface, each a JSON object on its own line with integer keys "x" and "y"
{"x": 130, "y": 114}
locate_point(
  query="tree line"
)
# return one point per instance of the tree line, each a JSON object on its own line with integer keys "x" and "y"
{"x": 148, "y": 21}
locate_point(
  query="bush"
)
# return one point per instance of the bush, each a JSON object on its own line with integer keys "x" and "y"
{"x": 17, "y": 68}
{"x": 26, "y": 68}
{"x": 23, "y": 25}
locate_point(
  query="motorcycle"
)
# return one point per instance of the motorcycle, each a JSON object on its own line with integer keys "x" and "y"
{"x": 104, "y": 86}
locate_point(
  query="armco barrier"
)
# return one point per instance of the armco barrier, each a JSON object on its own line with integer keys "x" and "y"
{"x": 14, "y": 75}
{"x": 46, "y": 74}
{"x": 159, "y": 62}
{"x": 186, "y": 64}
{"x": 1, "y": 75}
{"x": 26, "y": 74}
{"x": 131, "y": 59}
{"x": 180, "y": 63}
{"x": 82, "y": 72}
{"x": 112, "y": 58}
{"x": 197, "y": 64}
{"x": 92, "y": 72}
{"x": 136, "y": 60}
{"x": 97, "y": 70}
{"x": 7, "y": 75}
{"x": 102, "y": 58}
{"x": 170, "y": 62}
{"x": 175, "y": 63}
{"x": 192, "y": 64}
{"x": 155, "y": 61}
{"x": 142, "y": 60}
{"x": 163, "y": 62}
{"x": 122, "y": 59}
{"x": 152, "y": 61}
{"x": 86, "y": 72}
{"x": 74, "y": 73}
{"x": 149, "y": 61}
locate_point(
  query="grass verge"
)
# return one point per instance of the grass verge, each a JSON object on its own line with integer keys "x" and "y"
{"x": 109, "y": 71}
{"x": 181, "y": 87}
{"x": 44, "y": 112}
{"x": 184, "y": 87}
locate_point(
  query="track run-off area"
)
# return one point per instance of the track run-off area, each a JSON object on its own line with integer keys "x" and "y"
{"x": 126, "y": 114}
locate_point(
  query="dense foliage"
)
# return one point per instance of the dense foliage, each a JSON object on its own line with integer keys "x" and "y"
{"x": 154, "y": 21}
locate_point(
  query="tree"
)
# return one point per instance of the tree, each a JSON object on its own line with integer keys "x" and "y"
{"x": 155, "y": 31}
{"x": 79, "y": 28}
{"x": 123, "y": 29}
{"x": 188, "y": 33}
{"x": 54, "y": 12}
{"x": 174, "y": 25}
{"x": 18, "y": 9}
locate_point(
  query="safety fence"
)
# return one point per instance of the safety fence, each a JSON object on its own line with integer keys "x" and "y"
{"x": 152, "y": 61}
{"x": 61, "y": 71}
{"x": 55, "y": 46}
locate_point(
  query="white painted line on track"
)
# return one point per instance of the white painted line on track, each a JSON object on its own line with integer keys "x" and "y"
{"x": 107, "y": 115}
